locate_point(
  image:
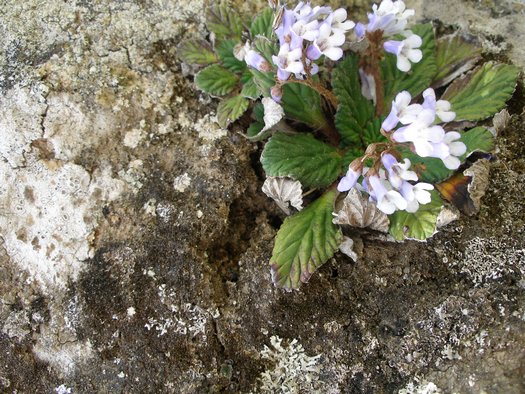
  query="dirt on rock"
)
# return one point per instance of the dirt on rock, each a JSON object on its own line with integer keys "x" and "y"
{"x": 136, "y": 239}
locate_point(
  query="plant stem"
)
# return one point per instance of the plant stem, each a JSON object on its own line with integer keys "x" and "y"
{"x": 370, "y": 63}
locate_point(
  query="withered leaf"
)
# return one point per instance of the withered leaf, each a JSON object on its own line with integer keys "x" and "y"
{"x": 358, "y": 211}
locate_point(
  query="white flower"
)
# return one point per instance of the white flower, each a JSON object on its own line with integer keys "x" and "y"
{"x": 406, "y": 51}
{"x": 441, "y": 107}
{"x": 388, "y": 200}
{"x": 339, "y": 22}
{"x": 326, "y": 44}
{"x": 288, "y": 61}
{"x": 397, "y": 172}
{"x": 449, "y": 150}
{"x": 368, "y": 85}
{"x": 416, "y": 194}
{"x": 401, "y": 111}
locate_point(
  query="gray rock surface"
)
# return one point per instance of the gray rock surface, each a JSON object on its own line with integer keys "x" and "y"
{"x": 135, "y": 238}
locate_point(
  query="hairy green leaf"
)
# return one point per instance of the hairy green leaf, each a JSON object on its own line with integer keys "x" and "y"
{"x": 224, "y": 21}
{"x": 250, "y": 90}
{"x": 216, "y": 80}
{"x": 225, "y": 51}
{"x": 262, "y": 24}
{"x": 455, "y": 55}
{"x": 477, "y": 139}
{"x": 196, "y": 52}
{"x": 264, "y": 81}
{"x": 302, "y": 103}
{"x": 305, "y": 242}
{"x": 482, "y": 92}
{"x": 355, "y": 119}
{"x": 419, "y": 77}
{"x": 301, "y": 157}
{"x": 265, "y": 47}
{"x": 231, "y": 109}
{"x": 419, "y": 225}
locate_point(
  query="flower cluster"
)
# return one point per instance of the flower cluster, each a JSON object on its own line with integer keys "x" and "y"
{"x": 392, "y": 187}
{"x": 390, "y": 183}
{"x": 420, "y": 129}
{"x": 389, "y": 19}
{"x": 305, "y": 34}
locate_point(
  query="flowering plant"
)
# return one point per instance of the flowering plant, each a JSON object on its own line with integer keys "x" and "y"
{"x": 351, "y": 114}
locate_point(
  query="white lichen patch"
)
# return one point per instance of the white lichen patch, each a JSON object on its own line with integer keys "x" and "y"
{"x": 209, "y": 129}
{"x": 133, "y": 138}
{"x": 48, "y": 216}
{"x": 420, "y": 386}
{"x": 21, "y": 111}
{"x": 292, "y": 370}
{"x": 182, "y": 182}
{"x": 488, "y": 259}
{"x": 183, "y": 319}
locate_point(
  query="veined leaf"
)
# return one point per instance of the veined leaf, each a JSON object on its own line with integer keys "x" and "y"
{"x": 216, "y": 80}
{"x": 305, "y": 242}
{"x": 477, "y": 139}
{"x": 265, "y": 47}
{"x": 303, "y": 158}
{"x": 250, "y": 90}
{"x": 419, "y": 225}
{"x": 225, "y": 51}
{"x": 262, "y": 24}
{"x": 197, "y": 52}
{"x": 482, "y": 92}
{"x": 302, "y": 103}
{"x": 231, "y": 109}
{"x": 455, "y": 55}
{"x": 355, "y": 119}
{"x": 419, "y": 77}
{"x": 264, "y": 81}
{"x": 224, "y": 21}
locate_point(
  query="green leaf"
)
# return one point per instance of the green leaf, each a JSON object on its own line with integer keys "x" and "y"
{"x": 250, "y": 90}
{"x": 229, "y": 110}
{"x": 355, "y": 118}
{"x": 196, "y": 52}
{"x": 305, "y": 242}
{"x": 302, "y": 103}
{"x": 224, "y": 21}
{"x": 225, "y": 51}
{"x": 216, "y": 80}
{"x": 482, "y": 92}
{"x": 419, "y": 225}
{"x": 419, "y": 77}
{"x": 455, "y": 54}
{"x": 264, "y": 81}
{"x": 254, "y": 131}
{"x": 266, "y": 47}
{"x": 301, "y": 157}
{"x": 262, "y": 24}
{"x": 477, "y": 139}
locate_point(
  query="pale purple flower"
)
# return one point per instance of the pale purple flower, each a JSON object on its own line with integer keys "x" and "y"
{"x": 277, "y": 93}
{"x": 406, "y": 51}
{"x": 339, "y": 22}
{"x": 368, "y": 85}
{"x": 416, "y": 194}
{"x": 306, "y": 30}
{"x": 390, "y": 17}
{"x": 327, "y": 43}
{"x": 255, "y": 60}
{"x": 288, "y": 61}
{"x": 397, "y": 172}
{"x": 440, "y": 107}
{"x": 449, "y": 149}
{"x": 401, "y": 111}
{"x": 387, "y": 199}
{"x": 349, "y": 180}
